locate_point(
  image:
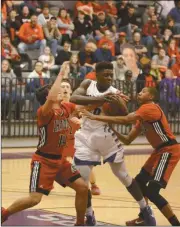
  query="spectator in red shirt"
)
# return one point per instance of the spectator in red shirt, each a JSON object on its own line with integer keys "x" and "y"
{"x": 85, "y": 6}
{"x": 111, "y": 10}
{"x": 31, "y": 36}
{"x": 97, "y": 7}
{"x": 107, "y": 38}
{"x": 150, "y": 31}
{"x": 173, "y": 51}
{"x": 176, "y": 67}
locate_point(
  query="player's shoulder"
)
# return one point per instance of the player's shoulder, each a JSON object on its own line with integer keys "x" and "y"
{"x": 69, "y": 106}
{"x": 149, "y": 106}
{"x": 85, "y": 83}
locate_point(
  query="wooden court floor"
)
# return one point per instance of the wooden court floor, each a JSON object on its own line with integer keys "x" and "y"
{"x": 113, "y": 206}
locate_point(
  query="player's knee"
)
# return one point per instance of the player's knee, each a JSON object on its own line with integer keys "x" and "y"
{"x": 123, "y": 177}
{"x": 142, "y": 178}
{"x": 35, "y": 199}
{"x": 82, "y": 189}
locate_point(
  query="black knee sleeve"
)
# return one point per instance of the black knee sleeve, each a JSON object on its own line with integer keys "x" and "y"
{"x": 89, "y": 199}
{"x": 153, "y": 195}
{"x": 142, "y": 179}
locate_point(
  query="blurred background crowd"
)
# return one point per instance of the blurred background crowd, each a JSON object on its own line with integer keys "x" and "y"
{"x": 141, "y": 41}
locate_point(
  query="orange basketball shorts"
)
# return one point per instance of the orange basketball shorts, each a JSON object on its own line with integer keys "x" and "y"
{"x": 45, "y": 171}
{"x": 161, "y": 164}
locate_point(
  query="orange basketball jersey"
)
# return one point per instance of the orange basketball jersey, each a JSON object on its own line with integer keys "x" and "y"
{"x": 155, "y": 125}
{"x": 53, "y": 128}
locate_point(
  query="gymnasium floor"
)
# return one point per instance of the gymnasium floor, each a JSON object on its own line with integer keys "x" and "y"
{"x": 114, "y": 206}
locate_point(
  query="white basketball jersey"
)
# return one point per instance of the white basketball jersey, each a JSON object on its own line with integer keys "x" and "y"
{"x": 93, "y": 91}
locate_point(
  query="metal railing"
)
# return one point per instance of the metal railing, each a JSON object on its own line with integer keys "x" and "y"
{"x": 19, "y": 105}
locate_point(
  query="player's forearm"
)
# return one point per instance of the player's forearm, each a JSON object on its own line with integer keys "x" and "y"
{"x": 123, "y": 138}
{"x": 53, "y": 93}
{"x": 86, "y": 100}
{"x": 112, "y": 120}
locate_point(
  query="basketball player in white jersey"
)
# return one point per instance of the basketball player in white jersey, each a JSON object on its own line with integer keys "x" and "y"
{"x": 95, "y": 140}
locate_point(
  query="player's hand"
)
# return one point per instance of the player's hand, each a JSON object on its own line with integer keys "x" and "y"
{"x": 87, "y": 114}
{"x": 76, "y": 120}
{"x": 124, "y": 97}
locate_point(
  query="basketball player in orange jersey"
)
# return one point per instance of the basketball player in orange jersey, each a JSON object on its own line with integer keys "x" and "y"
{"x": 74, "y": 122}
{"x": 157, "y": 170}
{"x": 46, "y": 164}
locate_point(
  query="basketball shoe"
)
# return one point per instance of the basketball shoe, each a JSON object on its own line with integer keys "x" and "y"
{"x": 90, "y": 220}
{"x": 146, "y": 218}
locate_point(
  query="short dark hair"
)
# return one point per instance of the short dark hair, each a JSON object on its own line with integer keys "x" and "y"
{"x": 103, "y": 66}
{"x": 42, "y": 93}
{"x": 153, "y": 91}
{"x": 53, "y": 18}
{"x": 66, "y": 81}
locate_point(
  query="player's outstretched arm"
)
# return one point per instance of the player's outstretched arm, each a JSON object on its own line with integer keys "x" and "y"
{"x": 54, "y": 91}
{"x": 128, "y": 119}
{"x": 127, "y": 139}
{"x": 79, "y": 95}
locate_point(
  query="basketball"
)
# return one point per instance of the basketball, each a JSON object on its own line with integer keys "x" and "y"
{"x": 118, "y": 108}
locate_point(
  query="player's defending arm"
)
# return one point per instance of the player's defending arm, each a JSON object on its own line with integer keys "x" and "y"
{"x": 54, "y": 91}
{"x": 79, "y": 96}
{"x": 128, "y": 119}
{"x": 127, "y": 139}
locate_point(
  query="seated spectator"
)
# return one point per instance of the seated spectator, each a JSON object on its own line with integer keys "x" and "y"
{"x": 31, "y": 36}
{"x": 150, "y": 31}
{"x": 86, "y": 7}
{"x": 97, "y": 7}
{"x": 128, "y": 22}
{"x": 121, "y": 41}
{"x": 13, "y": 25}
{"x": 75, "y": 70}
{"x": 87, "y": 58}
{"x": 45, "y": 16}
{"x": 47, "y": 59}
{"x": 127, "y": 87}
{"x": 161, "y": 60}
{"x": 34, "y": 6}
{"x": 173, "y": 52}
{"x": 7, "y": 7}
{"x": 167, "y": 93}
{"x": 10, "y": 91}
{"x": 130, "y": 59}
{"x": 176, "y": 67}
{"x": 171, "y": 26}
{"x": 175, "y": 14}
{"x": 65, "y": 25}
{"x": 25, "y": 15}
{"x": 111, "y": 11}
{"x": 140, "y": 49}
{"x": 119, "y": 68}
{"x": 36, "y": 79}
{"x": 104, "y": 53}
{"x": 155, "y": 72}
{"x": 10, "y": 53}
{"x": 52, "y": 35}
{"x": 166, "y": 37}
{"x": 83, "y": 27}
{"x": 148, "y": 13}
{"x": 107, "y": 38}
{"x": 63, "y": 55}
{"x": 102, "y": 24}
{"x": 150, "y": 80}
{"x": 122, "y": 7}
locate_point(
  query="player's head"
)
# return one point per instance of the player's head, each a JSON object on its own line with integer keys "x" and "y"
{"x": 148, "y": 94}
{"x": 42, "y": 93}
{"x": 66, "y": 91}
{"x": 104, "y": 74}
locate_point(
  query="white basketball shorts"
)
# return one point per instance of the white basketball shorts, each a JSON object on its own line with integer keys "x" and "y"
{"x": 92, "y": 144}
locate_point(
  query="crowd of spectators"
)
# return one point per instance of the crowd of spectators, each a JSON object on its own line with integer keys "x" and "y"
{"x": 143, "y": 46}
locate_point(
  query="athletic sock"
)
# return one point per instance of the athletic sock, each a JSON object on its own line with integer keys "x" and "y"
{"x": 169, "y": 214}
{"x": 89, "y": 210}
{"x": 142, "y": 203}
